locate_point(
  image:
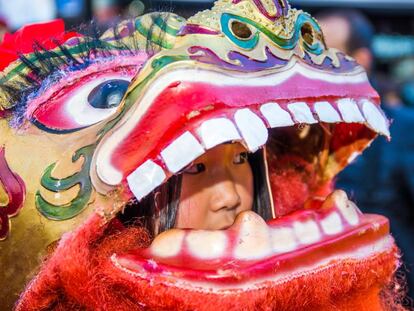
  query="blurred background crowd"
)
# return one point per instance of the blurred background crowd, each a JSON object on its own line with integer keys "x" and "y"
{"x": 379, "y": 34}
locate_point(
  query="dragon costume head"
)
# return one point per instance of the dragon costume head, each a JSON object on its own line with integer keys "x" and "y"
{"x": 101, "y": 141}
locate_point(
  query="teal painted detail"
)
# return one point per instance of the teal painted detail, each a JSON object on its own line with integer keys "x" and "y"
{"x": 284, "y": 43}
{"x": 82, "y": 178}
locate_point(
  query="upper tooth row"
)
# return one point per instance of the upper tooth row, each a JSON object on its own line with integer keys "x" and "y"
{"x": 250, "y": 128}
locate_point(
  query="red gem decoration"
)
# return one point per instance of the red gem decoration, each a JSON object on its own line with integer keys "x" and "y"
{"x": 15, "y": 190}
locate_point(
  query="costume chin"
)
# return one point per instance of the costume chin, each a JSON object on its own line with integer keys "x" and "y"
{"x": 78, "y": 276}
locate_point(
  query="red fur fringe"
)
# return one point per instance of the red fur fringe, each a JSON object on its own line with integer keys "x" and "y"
{"x": 80, "y": 276}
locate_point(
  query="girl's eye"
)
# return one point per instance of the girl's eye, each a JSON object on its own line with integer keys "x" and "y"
{"x": 78, "y": 107}
{"x": 196, "y": 168}
{"x": 240, "y": 158}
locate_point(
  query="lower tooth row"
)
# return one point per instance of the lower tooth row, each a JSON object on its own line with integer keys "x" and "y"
{"x": 307, "y": 232}
{"x": 254, "y": 238}
{"x": 213, "y": 243}
{"x": 331, "y": 224}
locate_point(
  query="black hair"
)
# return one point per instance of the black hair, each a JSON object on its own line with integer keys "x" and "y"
{"x": 261, "y": 203}
{"x": 361, "y": 29}
{"x": 157, "y": 212}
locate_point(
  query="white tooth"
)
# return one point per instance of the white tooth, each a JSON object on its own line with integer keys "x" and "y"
{"x": 326, "y": 112}
{"x": 207, "y": 244}
{"x": 145, "y": 178}
{"x": 350, "y": 212}
{"x": 302, "y": 113}
{"x": 331, "y": 224}
{"x": 253, "y": 241}
{"x": 375, "y": 118}
{"x": 168, "y": 243}
{"x": 217, "y": 131}
{"x": 349, "y": 110}
{"x": 252, "y": 128}
{"x": 283, "y": 240}
{"x": 181, "y": 152}
{"x": 276, "y": 116}
{"x": 307, "y": 232}
{"x": 347, "y": 208}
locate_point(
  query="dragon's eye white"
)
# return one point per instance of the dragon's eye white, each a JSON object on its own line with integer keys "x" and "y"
{"x": 94, "y": 101}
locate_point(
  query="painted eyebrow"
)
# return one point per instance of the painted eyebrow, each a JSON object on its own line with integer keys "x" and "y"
{"x": 29, "y": 75}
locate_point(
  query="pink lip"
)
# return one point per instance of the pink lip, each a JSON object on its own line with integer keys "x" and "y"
{"x": 250, "y": 248}
{"x": 354, "y": 243}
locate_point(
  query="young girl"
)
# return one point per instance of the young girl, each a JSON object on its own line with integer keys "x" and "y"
{"x": 208, "y": 194}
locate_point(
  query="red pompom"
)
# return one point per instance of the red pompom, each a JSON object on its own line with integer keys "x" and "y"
{"x": 49, "y": 35}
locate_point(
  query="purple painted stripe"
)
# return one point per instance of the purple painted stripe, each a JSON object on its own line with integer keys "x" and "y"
{"x": 196, "y": 29}
{"x": 345, "y": 65}
{"x": 247, "y": 64}
{"x": 281, "y": 10}
{"x": 282, "y": 7}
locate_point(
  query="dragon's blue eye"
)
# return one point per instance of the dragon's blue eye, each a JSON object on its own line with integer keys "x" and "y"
{"x": 108, "y": 94}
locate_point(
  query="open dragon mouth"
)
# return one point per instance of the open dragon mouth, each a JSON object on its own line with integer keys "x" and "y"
{"x": 252, "y": 249}
{"x": 311, "y": 226}
{"x": 307, "y": 141}
{"x": 159, "y": 118}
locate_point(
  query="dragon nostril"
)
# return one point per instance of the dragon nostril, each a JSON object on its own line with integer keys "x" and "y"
{"x": 241, "y": 30}
{"x": 307, "y": 33}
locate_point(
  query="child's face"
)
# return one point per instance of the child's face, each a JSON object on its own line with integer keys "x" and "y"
{"x": 215, "y": 189}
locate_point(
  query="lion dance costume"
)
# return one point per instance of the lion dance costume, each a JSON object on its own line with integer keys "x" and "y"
{"x": 94, "y": 129}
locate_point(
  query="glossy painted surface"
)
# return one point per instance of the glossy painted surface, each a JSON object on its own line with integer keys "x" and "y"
{"x": 186, "y": 79}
